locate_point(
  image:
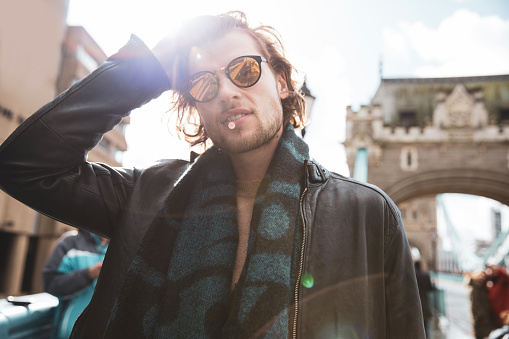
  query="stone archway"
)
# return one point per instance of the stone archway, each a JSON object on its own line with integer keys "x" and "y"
{"x": 429, "y": 136}
{"x": 489, "y": 184}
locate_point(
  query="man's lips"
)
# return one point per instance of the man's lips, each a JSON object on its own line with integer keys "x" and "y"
{"x": 233, "y": 115}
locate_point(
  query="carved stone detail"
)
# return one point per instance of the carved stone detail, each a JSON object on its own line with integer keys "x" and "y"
{"x": 460, "y": 109}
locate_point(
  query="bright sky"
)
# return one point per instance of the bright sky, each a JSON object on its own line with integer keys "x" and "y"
{"x": 471, "y": 216}
{"x": 337, "y": 44}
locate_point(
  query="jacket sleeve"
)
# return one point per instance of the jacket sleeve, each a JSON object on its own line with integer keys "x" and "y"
{"x": 59, "y": 283}
{"x": 44, "y": 162}
{"x": 403, "y": 306}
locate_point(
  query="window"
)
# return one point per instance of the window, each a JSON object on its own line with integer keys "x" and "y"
{"x": 121, "y": 127}
{"x": 117, "y": 154}
{"x": 407, "y": 119}
{"x": 496, "y": 221}
{"x": 409, "y": 158}
{"x": 86, "y": 59}
{"x": 6, "y": 112}
{"x": 504, "y": 115}
{"x": 104, "y": 145}
{"x": 31, "y": 255}
{"x": 6, "y": 241}
{"x": 414, "y": 215}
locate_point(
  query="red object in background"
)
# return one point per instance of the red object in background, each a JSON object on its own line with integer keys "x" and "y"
{"x": 499, "y": 292}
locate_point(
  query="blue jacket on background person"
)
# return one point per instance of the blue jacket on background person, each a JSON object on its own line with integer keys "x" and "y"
{"x": 66, "y": 275}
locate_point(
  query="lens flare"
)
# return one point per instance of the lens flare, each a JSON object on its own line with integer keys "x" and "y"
{"x": 307, "y": 280}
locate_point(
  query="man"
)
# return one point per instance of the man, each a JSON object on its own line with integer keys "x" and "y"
{"x": 71, "y": 274}
{"x": 193, "y": 251}
{"x": 425, "y": 286}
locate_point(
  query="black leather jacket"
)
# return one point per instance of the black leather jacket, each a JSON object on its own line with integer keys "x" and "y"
{"x": 354, "y": 245}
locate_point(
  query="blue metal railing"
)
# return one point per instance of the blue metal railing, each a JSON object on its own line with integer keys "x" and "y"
{"x": 30, "y": 316}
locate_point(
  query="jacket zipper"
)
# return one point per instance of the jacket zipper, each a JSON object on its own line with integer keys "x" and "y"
{"x": 301, "y": 264}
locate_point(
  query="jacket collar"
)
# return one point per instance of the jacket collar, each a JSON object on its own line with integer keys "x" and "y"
{"x": 316, "y": 174}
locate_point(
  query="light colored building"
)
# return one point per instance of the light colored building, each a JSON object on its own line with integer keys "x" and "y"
{"x": 420, "y": 137}
{"x": 80, "y": 56}
{"x": 39, "y": 58}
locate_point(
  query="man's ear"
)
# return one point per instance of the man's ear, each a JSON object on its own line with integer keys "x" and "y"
{"x": 282, "y": 86}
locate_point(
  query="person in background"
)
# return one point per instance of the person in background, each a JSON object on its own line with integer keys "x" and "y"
{"x": 503, "y": 332}
{"x": 424, "y": 284}
{"x": 489, "y": 296}
{"x": 71, "y": 274}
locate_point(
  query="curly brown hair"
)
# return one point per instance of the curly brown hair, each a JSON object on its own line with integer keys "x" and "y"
{"x": 206, "y": 28}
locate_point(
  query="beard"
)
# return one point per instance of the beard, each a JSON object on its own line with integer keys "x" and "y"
{"x": 238, "y": 141}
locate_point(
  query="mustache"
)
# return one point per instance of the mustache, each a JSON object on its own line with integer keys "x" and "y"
{"x": 231, "y": 105}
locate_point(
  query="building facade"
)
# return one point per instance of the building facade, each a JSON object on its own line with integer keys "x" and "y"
{"x": 421, "y": 137}
{"x": 40, "y": 56}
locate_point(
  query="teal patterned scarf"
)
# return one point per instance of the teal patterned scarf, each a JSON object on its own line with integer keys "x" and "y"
{"x": 179, "y": 283}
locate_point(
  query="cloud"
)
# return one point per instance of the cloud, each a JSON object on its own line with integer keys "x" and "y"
{"x": 395, "y": 44}
{"x": 462, "y": 44}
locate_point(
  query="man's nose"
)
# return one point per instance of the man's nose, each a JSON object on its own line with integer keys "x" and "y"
{"x": 227, "y": 89}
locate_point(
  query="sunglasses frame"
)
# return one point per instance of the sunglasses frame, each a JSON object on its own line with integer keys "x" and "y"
{"x": 259, "y": 59}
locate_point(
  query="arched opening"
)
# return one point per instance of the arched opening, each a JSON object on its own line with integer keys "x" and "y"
{"x": 457, "y": 233}
{"x": 493, "y": 185}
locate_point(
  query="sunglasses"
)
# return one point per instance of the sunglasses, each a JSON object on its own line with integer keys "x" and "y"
{"x": 244, "y": 71}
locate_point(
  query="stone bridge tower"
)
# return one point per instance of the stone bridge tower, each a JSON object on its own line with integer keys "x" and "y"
{"x": 422, "y": 137}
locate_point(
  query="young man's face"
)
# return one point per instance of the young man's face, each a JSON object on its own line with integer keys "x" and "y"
{"x": 256, "y": 111}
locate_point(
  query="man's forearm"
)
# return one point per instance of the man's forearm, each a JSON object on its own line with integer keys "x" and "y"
{"x": 64, "y": 284}
{"x": 43, "y": 163}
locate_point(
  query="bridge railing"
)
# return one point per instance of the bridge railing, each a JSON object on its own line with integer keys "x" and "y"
{"x": 498, "y": 251}
{"x": 467, "y": 260}
{"x": 29, "y": 317}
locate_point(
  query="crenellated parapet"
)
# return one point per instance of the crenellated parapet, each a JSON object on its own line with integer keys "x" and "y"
{"x": 421, "y": 137}
{"x": 413, "y": 126}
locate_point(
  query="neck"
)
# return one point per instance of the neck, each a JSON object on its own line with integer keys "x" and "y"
{"x": 252, "y": 165}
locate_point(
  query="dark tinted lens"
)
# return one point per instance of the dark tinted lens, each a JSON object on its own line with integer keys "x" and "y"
{"x": 202, "y": 86}
{"x": 244, "y": 71}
